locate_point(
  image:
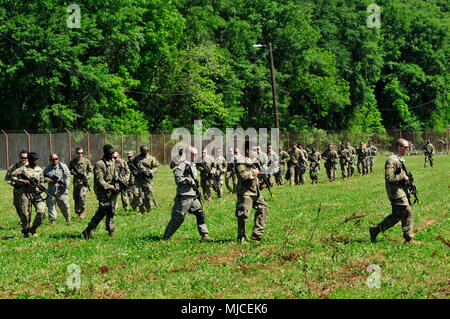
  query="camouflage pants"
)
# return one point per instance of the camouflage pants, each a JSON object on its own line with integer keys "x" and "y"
{"x": 428, "y": 158}
{"x": 16, "y": 201}
{"x": 63, "y": 204}
{"x": 371, "y": 164}
{"x": 362, "y": 166}
{"x": 344, "y": 169}
{"x": 331, "y": 173}
{"x": 106, "y": 207}
{"x": 182, "y": 206}
{"x": 125, "y": 199}
{"x": 26, "y": 202}
{"x": 314, "y": 174}
{"x": 206, "y": 187}
{"x": 221, "y": 180}
{"x": 351, "y": 169}
{"x": 133, "y": 196}
{"x": 145, "y": 201}
{"x": 401, "y": 211}
{"x": 244, "y": 206}
{"x": 279, "y": 175}
{"x": 295, "y": 175}
{"x": 233, "y": 177}
{"x": 79, "y": 198}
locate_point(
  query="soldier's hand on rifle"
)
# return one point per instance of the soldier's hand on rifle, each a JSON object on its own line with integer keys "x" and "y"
{"x": 192, "y": 183}
{"x": 25, "y": 181}
{"x": 406, "y": 179}
{"x": 48, "y": 180}
{"x": 256, "y": 171}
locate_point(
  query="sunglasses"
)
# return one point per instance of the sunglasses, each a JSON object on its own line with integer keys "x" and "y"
{"x": 54, "y": 159}
{"x": 80, "y": 152}
{"x": 24, "y": 158}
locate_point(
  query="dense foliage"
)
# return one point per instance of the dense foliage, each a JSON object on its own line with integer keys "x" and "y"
{"x": 139, "y": 65}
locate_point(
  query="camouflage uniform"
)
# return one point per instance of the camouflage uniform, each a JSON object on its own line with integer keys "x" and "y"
{"x": 220, "y": 169}
{"x": 61, "y": 194}
{"x": 345, "y": 158}
{"x": 133, "y": 191}
{"x": 104, "y": 170}
{"x": 232, "y": 173}
{"x": 79, "y": 191}
{"x": 294, "y": 158}
{"x": 205, "y": 179}
{"x": 428, "y": 150}
{"x": 176, "y": 160}
{"x": 185, "y": 201}
{"x": 124, "y": 175}
{"x": 314, "y": 166}
{"x": 303, "y": 161}
{"x": 371, "y": 157}
{"x": 29, "y": 196}
{"x": 395, "y": 188}
{"x": 331, "y": 163}
{"x": 151, "y": 165}
{"x": 362, "y": 153}
{"x": 272, "y": 167}
{"x": 248, "y": 197}
{"x": 17, "y": 190}
{"x": 352, "y": 163}
{"x": 284, "y": 158}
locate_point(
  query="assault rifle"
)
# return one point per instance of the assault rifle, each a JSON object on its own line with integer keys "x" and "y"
{"x": 79, "y": 175}
{"x": 211, "y": 175}
{"x": 144, "y": 175}
{"x": 264, "y": 179}
{"x": 35, "y": 183}
{"x": 56, "y": 180}
{"x": 410, "y": 188}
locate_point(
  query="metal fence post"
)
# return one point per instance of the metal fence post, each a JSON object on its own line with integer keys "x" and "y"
{"x": 28, "y": 141}
{"x": 50, "y": 141}
{"x": 88, "y": 144}
{"x": 70, "y": 145}
{"x": 164, "y": 149}
{"x": 7, "y": 149}
{"x": 137, "y": 143}
{"x": 121, "y": 144}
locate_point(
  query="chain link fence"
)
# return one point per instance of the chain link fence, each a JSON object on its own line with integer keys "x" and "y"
{"x": 160, "y": 145}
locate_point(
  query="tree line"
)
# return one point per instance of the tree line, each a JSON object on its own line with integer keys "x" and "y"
{"x": 151, "y": 65}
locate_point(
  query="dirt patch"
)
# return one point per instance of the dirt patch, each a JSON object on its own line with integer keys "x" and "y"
{"x": 105, "y": 269}
{"x": 427, "y": 224}
{"x": 292, "y": 256}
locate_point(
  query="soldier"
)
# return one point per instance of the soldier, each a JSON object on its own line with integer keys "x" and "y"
{"x": 219, "y": 170}
{"x": 177, "y": 158}
{"x": 133, "y": 190}
{"x": 372, "y": 153}
{"x": 352, "y": 160}
{"x": 284, "y": 158}
{"x": 205, "y": 167}
{"x": 330, "y": 156}
{"x": 232, "y": 169}
{"x": 272, "y": 167}
{"x": 428, "y": 150}
{"x": 293, "y": 165}
{"x": 303, "y": 161}
{"x": 57, "y": 175}
{"x": 149, "y": 166}
{"x": 30, "y": 195}
{"x": 23, "y": 160}
{"x": 362, "y": 153}
{"x": 314, "y": 158}
{"x": 80, "y": 188}
{"x": 396, "y": 180}
{"x": 105, "y": 171}
{"x": 344, "y": 160}
{"x": 124, "y": 175}
{"x": 188, "y": 198}
{"x": 249, "y": 196}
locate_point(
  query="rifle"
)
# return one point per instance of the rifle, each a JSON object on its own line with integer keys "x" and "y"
{"x": 144, "y": 175}
{"x": 35, "y": 183}
{"x": 264, "y": 178}
{"x": 196, "y": 187}
{"x": 212, "y": 176}
{"x": 410, "y": 188}
{"x": 55, "y": 180}
{"x": 77, "y": 174}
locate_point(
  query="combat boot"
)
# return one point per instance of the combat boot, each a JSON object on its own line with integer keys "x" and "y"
{"x": 87, "y": 234}
{"x": 414, "y": 242}
{"x": 68, "y": 220}
{"x": 25, "y": 232}
{"x": 111, "y": 234}
{"x": 255, "y": 237}
{"x": 82, "y": 215}
{"x": 205, "y": 237}
{"x": 374, "y": 231}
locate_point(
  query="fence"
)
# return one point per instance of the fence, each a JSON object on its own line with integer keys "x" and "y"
{"x": 160, "y": 145}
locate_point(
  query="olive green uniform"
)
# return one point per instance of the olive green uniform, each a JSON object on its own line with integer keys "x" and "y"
{"x": 344, "y": 160}
{"x": 428, "y": 150}
{"x": 284, "y": 158}
{"x": 330, "y": 163}
{"x": 205, "y": 179}
{"x": 79, "y": 191}
{"x": 303, "y": 161}
{"x": 29, "y": 196}
{"x": 395, "y": 189}
{"x": 219, "y": 170}
{"x": 124, "y": 174}
{"x": 248, "y": 197}
{"x": 314, "y": 166}
{"x": 295, "y": 156}
{"x": 352, "y": 163}
{"x": 362, "y": 153}
{"x": 149, "y": 164}
{"x": 16, "y": 191}
{"x": 104, "y": 170}
{"x": 132, "y": 192}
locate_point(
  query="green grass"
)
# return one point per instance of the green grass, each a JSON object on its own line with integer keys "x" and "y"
{"x": 288, "y": 263}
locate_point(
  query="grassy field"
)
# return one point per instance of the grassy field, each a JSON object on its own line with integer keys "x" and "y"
{"x": 303, "y": 254}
